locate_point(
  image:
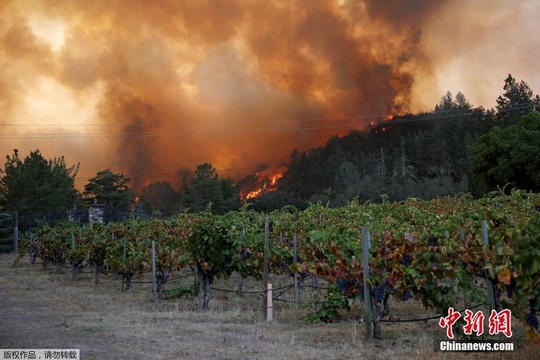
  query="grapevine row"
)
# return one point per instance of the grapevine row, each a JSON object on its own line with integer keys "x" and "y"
{"x": 432, "y": 251}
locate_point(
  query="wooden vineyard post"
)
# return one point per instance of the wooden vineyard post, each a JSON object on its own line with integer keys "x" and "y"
{"x": 295, "y": 275}
{"x": 96, "y": 269}
{"x": 16, "y": 233}
{"x": 269, "y": 303}
{"x": 124, "y": 255}
{"x": 240, "y": 279}
{"x": 32, "y": 250}
{"x": 153, "y": 268}
{"x": 367, "y": 292}
{"x": 489, "y": 283}
{"x": 467, "y": 302}
{"x": 73, "y": 265}
{"x": 315, "y": 279}
{"x": 265, "y": 264}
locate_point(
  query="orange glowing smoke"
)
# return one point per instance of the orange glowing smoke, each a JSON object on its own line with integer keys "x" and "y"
{"x": 159, "y": 87}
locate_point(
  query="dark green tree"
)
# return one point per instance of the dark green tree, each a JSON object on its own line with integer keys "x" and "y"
{"x": 517, "y": 101}
{"x": 36, "y": 184}
{"x": 508, "y": 156}
{"x": 448, "y": 102}
{"x": 159, "y": 199}
{"x": 110, "y": 189}
{"x": 207, "y": 189}
{"x": 6, "y": 233}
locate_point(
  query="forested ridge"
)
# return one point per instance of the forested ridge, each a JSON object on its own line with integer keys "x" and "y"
{"x": 455, "y": 148}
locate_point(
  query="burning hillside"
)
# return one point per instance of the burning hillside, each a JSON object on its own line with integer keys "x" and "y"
{"x": 263, "y": 181}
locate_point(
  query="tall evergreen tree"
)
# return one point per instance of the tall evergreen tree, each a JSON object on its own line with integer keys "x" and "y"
{"x": 36, "y": 184}
{"x": 517, "y": 101}
{"x": 159, "y": 199}
{"x": 207, "y": 189}
{"x": 110, "y": 189}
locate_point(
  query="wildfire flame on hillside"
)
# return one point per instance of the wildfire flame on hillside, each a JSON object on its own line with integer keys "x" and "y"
{"x": 263, "y": 181}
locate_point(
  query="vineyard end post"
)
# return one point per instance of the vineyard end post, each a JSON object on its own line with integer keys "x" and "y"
{"x": 16, "y": 233}
{"x": 315, "y": 279}
{"x": 295, "y": 275}
{"x": 153, "y": 268}
{"x": 489, "y": 283}
{"x": 73, "y": 267}
{"x": 265, "y": 262}
{"x": 367, "y": 292}
{"x": 269, "y": 303}
{"x": 240, "y": 278}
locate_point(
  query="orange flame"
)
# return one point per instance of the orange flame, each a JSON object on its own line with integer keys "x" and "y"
{"x": 254, "y": 194}
{"x": 274, "y": 180}
{"x": 135, "y": 202}
{"x": 265, "y": 183}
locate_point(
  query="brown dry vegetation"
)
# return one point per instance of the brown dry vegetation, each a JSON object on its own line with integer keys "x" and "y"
{"x": 43, "y": 309}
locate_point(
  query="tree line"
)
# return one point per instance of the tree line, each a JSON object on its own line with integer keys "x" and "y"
{"x": 34, "y": 184}
{"x": 456, "y": 148}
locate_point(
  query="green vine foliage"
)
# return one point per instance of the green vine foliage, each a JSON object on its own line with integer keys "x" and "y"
{"x": 432, "y": 250}
{"x": 329, "y": 308}
{"x": 182, "y": 292}
{"x": 526, "y": 263}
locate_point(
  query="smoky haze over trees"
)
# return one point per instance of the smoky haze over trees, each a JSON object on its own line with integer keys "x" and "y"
{"x": 455, "y": 148}
{"x": 216, "y": 81}
{"x": 109, "y": 189}
{"x": 208, "y": 190}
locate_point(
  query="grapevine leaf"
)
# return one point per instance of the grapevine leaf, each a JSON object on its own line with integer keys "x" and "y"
{"x": 505, "y": 276}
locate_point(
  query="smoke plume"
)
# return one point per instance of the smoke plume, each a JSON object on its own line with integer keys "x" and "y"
{"x": 149, "y": 88}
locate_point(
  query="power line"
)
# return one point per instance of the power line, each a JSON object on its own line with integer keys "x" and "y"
{"x": 181, "y": 173}
{"x": 201, "y": 122}
{"x": 367, "y": 121}
{"x": 176, "y": 174}
{"x": 363, "y": 123}
{"x": 361, "y": 120}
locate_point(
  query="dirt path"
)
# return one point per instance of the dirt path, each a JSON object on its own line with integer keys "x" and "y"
{"x": 42, "y": 309}
{"x": 37, "y": 313}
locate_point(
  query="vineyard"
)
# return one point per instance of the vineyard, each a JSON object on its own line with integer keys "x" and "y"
{"x": 455, "y": 252}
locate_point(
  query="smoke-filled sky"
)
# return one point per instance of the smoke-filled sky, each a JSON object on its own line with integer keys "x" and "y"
{"x": 156, "y": 87}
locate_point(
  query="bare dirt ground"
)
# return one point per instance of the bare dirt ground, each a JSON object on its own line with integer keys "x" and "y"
{"x": 40, "y": 308}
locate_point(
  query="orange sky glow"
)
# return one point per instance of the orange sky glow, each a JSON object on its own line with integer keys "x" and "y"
{"x": 152, "y": 89}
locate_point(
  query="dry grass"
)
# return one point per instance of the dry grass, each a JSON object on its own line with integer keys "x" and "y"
{"x": 42, "y": 309}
